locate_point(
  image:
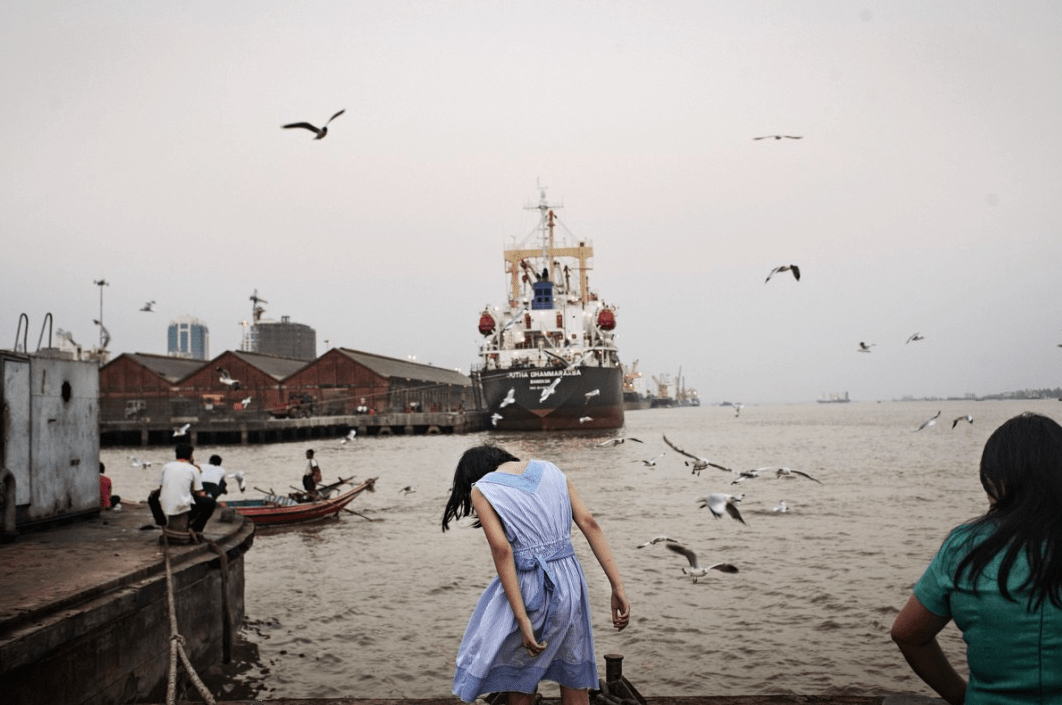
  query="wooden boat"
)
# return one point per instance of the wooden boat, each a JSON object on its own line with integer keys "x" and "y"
{"x": 278, "y": 509}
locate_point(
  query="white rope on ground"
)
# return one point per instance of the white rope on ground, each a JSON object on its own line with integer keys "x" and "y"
{"x": 177, "y": 642}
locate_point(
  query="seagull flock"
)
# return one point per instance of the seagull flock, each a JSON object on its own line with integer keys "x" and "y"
{"x": 721, "y": 505}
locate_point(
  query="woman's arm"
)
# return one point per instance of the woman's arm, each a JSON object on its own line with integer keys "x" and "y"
{"x": 915, "y": 632}
{"x": 621, "y": 606}
{"x": 502, "y": 552}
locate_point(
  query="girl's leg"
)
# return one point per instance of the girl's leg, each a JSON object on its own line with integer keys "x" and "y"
{"x": 520, "y": 698}
{"x": 574, "y": 696}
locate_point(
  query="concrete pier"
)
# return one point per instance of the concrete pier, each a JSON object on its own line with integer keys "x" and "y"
{"x": 230, "y": 431}
{"x": 84, "y": 615}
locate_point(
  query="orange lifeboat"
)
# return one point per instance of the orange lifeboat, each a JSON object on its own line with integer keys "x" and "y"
{"x": 606, "y": 319}
{"x": 486, "y": 323}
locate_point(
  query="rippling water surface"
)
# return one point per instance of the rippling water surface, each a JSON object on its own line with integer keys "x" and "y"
{"x": 376, "y": 609}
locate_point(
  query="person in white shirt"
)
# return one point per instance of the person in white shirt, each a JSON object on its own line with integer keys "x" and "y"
{"x": 181, "y": 490}
{"x": 214, "y": 477}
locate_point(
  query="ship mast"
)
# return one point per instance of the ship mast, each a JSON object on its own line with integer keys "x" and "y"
{"x": 548, "y": 252}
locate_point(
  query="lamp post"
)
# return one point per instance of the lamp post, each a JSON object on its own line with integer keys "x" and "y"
{"x": 101, "y": 283}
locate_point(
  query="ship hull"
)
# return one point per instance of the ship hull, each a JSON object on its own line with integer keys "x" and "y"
{"x": 553, "y": 399}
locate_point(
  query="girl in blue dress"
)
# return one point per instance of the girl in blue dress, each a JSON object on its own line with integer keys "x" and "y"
{"x": 532, "y": 623}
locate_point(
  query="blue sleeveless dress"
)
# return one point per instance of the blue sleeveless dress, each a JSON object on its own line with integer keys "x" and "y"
{"x": 535, "y": 509}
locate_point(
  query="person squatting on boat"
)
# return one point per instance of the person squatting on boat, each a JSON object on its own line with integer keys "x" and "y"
{"x": 181, "y": 491}
{"x": 532, "y": 622}
{"x": 1000, "y": 578}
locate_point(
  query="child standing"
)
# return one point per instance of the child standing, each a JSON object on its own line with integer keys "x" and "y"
{"x": 532, "y": 623}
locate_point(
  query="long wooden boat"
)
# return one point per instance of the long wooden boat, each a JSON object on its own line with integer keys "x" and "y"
{"x": 278, "y": 509}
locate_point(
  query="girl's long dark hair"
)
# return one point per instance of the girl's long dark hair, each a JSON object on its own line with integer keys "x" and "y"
{"x": 1021, "y": 467}
{"x": 474, "y": 464}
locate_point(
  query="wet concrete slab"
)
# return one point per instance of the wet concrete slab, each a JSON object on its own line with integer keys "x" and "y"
{"x": 53, "y": 569}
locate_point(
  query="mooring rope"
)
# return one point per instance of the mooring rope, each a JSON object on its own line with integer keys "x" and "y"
{"x": 177, "y": 642}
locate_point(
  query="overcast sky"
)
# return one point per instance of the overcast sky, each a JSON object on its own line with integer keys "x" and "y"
{"x": 141, "y": 144}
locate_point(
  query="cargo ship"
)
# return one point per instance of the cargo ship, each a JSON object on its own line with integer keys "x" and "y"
{"x": 548, "y": 360}
{"x": 833, "y": 398}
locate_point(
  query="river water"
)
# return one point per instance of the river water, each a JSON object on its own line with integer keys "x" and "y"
{"x": 374, "y": 606}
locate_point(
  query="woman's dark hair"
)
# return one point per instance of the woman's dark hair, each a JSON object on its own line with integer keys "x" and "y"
{"x": 474, "y": 464}
{"x": 1021, "y": 468}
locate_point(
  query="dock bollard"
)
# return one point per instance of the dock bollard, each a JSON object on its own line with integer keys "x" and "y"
{"x": 615, "y": 689}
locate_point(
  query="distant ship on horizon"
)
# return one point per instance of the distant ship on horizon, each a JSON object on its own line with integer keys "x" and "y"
{"x": 834, "y": 398}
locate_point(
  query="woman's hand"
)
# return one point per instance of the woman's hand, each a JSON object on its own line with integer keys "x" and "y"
{"x": 621, "y": 609}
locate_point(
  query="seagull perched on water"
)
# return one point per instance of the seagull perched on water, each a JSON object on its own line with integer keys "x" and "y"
{"x": 319, "y": 131}
{"x": 226, "y": 379}
{"x": 698, "y": 463}
{"x": 181, "y": 430}
{"x": 651, "y": 462}
{"x": 549, "y": 391}
{"x": 929, "y": 422}
{"x": 510, "y": 398}
{"x": 408, "y": 489}
{"x": 138, "y": 463}
{"x": 915, "y": 338}
{"x": 864, "y": 347}
{"x": 778, "y": 137}
{"x": 717, "y": 503}
{"x": 616, "y": 441}
{"x": 658, "y": 539}
{"x": 784, "y": 268}
{"x": 240, "y": 479}
{"x": 781, "y": 507}
{"x": 964, "y": 417}
{"x": 695, "y": 570}
{"x": 148, "y": 307}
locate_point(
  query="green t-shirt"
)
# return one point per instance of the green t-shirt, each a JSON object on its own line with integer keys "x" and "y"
{"x": 1014, "y": 654}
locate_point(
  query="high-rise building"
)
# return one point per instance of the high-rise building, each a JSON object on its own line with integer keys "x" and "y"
{"x": 188, "y": 337}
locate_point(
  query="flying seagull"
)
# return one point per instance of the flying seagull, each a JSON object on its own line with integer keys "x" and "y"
{"x": 695, "y": 570}
{"x": 240, "y": 479}
{"x": 651, "y": 462}
{"x": 929, "y": 422}
{"x": 352, "y": 434}
{"x": 718, "y": 503}
{"x": 319, "y": 131}
{"x": 408, "y": 489}
{"x": 181, "y": 430}
{"x": 746, "y": 475}
{"x": 778, "y": 137}
{"x": 138, "y": 463}
{"x": 915, "y": 338}
{"x": 592, "y": 393}
{"x": 658, "y": 539}
{"x": 548, "y": 391}
{"x": 616, "y": 441}
{"x": 495, "y": 418}
{"x": 698, "y": 463}
{"x": 865, "y": 347}
{"x": 584, "y": 419}
{"x": 964, "y": 417}
{"x": 784, "y": 268}
{"x": 227, "y": 379}
{"x": 510, "y": 398}
{"x": 787, "y": 472}
{"x": 148, "y": 307}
